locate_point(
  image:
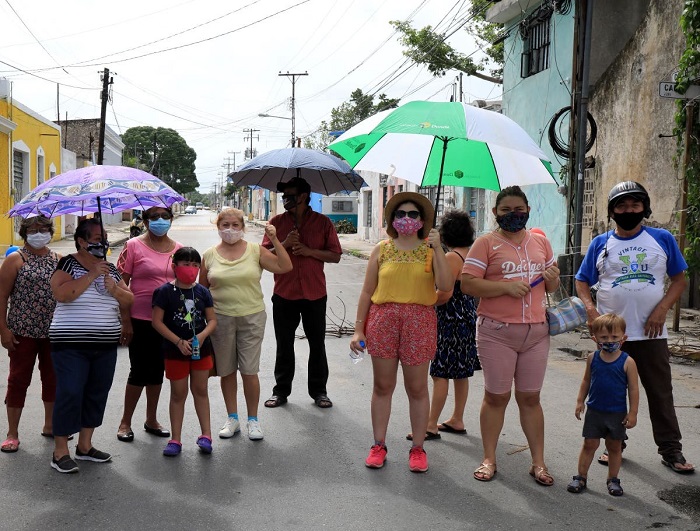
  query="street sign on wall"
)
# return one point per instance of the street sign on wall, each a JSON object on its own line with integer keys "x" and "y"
{"x": 667, "y": 89}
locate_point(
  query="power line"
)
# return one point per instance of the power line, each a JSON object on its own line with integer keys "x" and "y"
{"x": 245, "y": 26}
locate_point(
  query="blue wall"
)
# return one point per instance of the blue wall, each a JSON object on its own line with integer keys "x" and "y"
{"x": 531, "y": 102}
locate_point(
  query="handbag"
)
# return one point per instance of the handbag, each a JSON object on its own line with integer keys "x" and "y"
{"x": 565, "y": 315}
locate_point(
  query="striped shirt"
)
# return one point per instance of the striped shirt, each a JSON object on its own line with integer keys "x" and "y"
{"x": 493, "y": 257}
{"x": 91, "y": 318}
{"x": 307, "y": 280}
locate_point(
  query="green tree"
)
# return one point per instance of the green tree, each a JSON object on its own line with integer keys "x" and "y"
{"x": 429, "y": 48}
{"x": 164, "y": 153}
{"x": 359, "y": 107}
{"x": 347, "y": 114}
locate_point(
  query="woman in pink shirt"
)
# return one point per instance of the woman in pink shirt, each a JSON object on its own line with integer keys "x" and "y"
{"x": 510, "y": 269}
{"x": 145, "y": 264}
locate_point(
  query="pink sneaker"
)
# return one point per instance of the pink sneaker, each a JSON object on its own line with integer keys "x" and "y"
{"x": 376, "y": 457}
{"x": 417, "y": 459}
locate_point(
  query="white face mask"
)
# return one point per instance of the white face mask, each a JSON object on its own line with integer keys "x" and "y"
{"x": 231, "y": 236}
{"x": 39, "y": 240}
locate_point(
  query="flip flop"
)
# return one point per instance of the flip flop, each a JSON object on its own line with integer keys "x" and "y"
{"x": 429, "y": 436}
{"x": 449, "y": 429}
{"x": 10, "y": 446}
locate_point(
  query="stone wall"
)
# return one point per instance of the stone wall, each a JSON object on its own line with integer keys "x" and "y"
{"x": 630, "y": 116}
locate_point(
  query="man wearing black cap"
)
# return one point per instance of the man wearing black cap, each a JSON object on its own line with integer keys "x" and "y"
{"x": 300, "y": 295}
{"x": 630, "y": 265}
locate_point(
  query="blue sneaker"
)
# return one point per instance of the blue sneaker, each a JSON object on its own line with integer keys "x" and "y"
{"x": 173, "y": 448}
{"x": 204, "y": 444}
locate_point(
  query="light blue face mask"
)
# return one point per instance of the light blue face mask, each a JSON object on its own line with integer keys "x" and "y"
{"x": 159, "y": 227}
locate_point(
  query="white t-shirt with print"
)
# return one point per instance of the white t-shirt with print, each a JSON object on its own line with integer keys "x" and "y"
{"x": 631, "y": 273}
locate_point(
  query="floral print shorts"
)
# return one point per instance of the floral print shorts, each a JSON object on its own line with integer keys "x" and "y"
{"x": 407, "y": 332}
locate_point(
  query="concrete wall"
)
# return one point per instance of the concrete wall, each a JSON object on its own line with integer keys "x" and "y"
{"x": 630, "y": 116}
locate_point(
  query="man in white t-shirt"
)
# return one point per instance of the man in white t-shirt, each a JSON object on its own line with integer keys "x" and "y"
{"x": 630, "y": 265}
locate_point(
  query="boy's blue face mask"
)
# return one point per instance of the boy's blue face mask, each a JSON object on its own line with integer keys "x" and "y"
{"x": 610, "y": 346}
{"x": 159, "y": 227}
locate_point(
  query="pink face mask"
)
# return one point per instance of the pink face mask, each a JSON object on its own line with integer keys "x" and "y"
{"x": 231, "y": 236}
{"x": 186, "y": 274}
{"x": 407, "y": 226}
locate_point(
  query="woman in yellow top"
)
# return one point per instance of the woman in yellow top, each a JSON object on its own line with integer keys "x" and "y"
{"x": 396, "y": 319}
{"x": 232, "y": 272}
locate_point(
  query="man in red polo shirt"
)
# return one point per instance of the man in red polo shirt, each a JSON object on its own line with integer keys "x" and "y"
{"x": 300, "y": 295}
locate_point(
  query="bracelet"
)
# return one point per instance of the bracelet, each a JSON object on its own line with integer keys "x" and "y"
{"x": 359, "y": 321}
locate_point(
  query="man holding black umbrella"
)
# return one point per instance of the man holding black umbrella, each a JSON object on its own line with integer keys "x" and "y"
{"x": 300, "y": 295}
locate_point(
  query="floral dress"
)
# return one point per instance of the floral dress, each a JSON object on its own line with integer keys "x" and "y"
{"x": 31, "y": 301}
{"x": 456, "y": 357}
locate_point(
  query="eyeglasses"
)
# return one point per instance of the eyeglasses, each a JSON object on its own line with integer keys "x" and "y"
{"x": 413, "y": 214}
{"x": 164, "y": 215}
{"x": 291, "y": 197}
{"x": 42, "y": 230}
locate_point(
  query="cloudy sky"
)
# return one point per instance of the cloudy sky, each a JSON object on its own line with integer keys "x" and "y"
{"x": 207, "y": 68}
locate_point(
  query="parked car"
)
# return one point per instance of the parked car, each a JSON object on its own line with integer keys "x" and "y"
{"x": 191, "y": 209}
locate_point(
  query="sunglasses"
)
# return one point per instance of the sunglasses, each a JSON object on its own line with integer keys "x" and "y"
{"x": 413, "y": 214}
{"x": 164, "y": 215}
{"x": 291, "y": 197}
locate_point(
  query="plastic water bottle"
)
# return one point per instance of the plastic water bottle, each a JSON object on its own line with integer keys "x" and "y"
{"x": 357, "y": 357}
{"x": 195, "y": 348}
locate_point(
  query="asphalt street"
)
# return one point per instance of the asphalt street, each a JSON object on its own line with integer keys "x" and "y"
{"x": 308, "y": 472}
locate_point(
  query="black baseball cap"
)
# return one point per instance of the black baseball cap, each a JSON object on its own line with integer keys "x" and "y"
{"x": 297, "y": 182}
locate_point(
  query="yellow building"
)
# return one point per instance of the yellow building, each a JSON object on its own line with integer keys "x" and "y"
{"x": 30, "y": 153}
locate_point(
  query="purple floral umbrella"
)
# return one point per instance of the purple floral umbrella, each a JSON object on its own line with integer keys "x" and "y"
{"x": 96, "y": 189}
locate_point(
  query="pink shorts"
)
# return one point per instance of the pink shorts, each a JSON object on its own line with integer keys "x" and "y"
{"x": 512, "y": 352}
{"x": 407, "y": 332}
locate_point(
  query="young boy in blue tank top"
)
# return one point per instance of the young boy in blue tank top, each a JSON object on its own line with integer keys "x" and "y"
{"x": 610, "y": 378}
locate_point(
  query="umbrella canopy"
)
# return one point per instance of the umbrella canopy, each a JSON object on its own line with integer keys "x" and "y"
{"x": 445, "y": 143}
{"x": 325, "y": 173}
{"x": 108, "y": 189}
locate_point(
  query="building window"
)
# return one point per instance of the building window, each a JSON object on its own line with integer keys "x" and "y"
{"x": 535, "y": 32}
{"x": 341, "y": 206}
{"x": 40, "y": 169}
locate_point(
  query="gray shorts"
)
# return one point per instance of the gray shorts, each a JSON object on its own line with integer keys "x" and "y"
{"x": 238, "y": 343}
{"x": 604, "y": 425}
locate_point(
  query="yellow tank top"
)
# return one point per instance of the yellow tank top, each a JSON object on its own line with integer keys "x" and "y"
{"x": 405, "y": 276}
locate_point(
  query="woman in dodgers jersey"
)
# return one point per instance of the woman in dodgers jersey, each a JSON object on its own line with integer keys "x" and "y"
{"x": 510, "y": 269}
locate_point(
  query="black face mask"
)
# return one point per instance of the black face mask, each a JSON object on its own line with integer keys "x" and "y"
{"x": 98, "y": 250}
{"x": 628, "y": 220}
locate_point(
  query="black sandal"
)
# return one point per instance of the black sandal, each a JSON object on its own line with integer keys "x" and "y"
{"x": 673, "y": 460}
{"x": 614, "y": 487}
{"x": 323, "y": 401}
{"x": 275, "y": 401}
{"x": 578, "y": 485}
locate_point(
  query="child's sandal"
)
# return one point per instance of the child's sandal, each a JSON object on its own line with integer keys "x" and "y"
{"x": 578, "y": 485}
{"x": 614, "y": 487}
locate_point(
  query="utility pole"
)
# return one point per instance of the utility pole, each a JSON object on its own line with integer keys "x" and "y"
{"x": 106, "y": 82}
{"x": 293, "y": 78}
{"x": 244, "y": 198}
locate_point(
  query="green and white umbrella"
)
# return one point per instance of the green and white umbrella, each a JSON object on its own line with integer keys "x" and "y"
{"x": 445, "y": 143}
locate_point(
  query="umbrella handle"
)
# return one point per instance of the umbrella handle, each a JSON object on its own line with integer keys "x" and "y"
{"x": 102, "y": 228}
{"x": 445, "y": 140}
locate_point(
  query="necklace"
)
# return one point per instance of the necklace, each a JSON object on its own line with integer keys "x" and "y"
{"x": 514, "y": 241}
{"x": 152, "y": 245}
